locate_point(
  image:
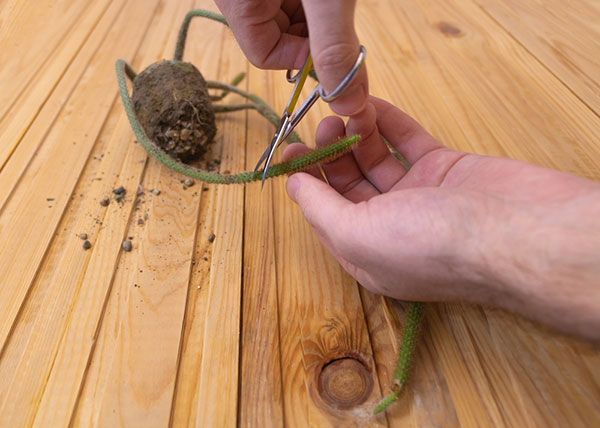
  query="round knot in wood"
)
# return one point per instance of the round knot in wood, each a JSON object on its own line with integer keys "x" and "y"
{"x": 345, "y": 383}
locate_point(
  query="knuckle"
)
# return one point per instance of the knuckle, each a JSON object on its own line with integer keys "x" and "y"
{"x": 249, "y": 8}
{"x": 336, "y": 59}
{"x": 257, "y": 59}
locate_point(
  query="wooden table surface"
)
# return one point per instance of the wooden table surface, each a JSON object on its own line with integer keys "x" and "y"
{"x": 184, "y": 332}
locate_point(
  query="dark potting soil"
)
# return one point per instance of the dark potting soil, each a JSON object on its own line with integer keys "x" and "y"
{"x": 172, "y": 103}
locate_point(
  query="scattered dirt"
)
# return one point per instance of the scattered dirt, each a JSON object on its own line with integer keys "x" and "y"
{"x": 87, "y": 245}
{"x": 83, "y": 236}
{"x": 126, "y": 245}
{"x": 211, "y": 238}
{"x": 172, "y": 103}
{"x": 119, "y": 193}
{"x": 105, "y": 201}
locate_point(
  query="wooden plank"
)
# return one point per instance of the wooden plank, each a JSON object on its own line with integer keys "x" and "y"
{"x": 564, "y": 36}
{"x": 41, "y": 322}
{"x": 137, "y": 303}
{"x": 190, "y": 364}
{"x": 204, "y": 51}
{"x": 71, "y": 267}
{"x": 481, "y": 76}
{"x": 67, "y": 229}
{"x": 55, "y": 171}
{"x": 552, "y": 376}
{"x": 68, "y": 357}
{"x": 472, "y": 366}
{"x": 28, "y": 144}
{"x": 324, "y": 322}
{"x": 426, "y": 400}
{"x": 36, "y": 356}
{"x": 497, "y": 94}
{"x": 17, "y": 120}
{"x": 261, "y": 388}
{"x": 403, "y": 70}
{"x": 474, "y": 405}
{"x": 296, "y": 398}
{"x": 152, "y": 308}
{"x": 152, "y": 312}
{"x": 218, "y": 386}
{"x": 27, "y": 40}
{"x": 106, "y": 300}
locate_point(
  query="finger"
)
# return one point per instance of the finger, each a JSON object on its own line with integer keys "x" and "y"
{"x": 403, "y": 132}
{"x": 293, "y": 9}
{"x": 300, "y": 29}
{"x": 372, "y": 155}
{"x": 334, "y": 47}
{"x": 288, "y": 52}
{"x": 321, "y": 205}
{"x": 256, "y": 27}
{"x": 296, "y": 150}
{"x": 343, "y": 174}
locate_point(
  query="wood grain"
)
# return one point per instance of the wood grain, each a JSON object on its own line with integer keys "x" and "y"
{"x": 436, "y": 66}
{"x": 262, "y": 326}
{"x": 261, "y": 385}
{"x": 54, "y": 171}
{"x": 426, "y": 400}
{"x": 148, "y": 292}
{"x": 220, "y": 349}
{"x": 18, "y": 119}
{"x": 27, "y": 41}
{"x": 20, "y": 140}
{"x": 564, "y": 36}
{"x": 188, "y": 381}
{"x": 323, "y": 310}
{"x": 498, "y": 93}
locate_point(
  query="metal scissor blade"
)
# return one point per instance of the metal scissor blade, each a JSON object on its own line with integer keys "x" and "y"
{"x": 284, "y": 128}
{"x": 272, "y": 143}
{"x": 266, "y": 153}
{"x": 278, "y": 139}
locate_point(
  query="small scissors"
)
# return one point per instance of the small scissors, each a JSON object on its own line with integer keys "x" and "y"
{"x": 289, "y": 120}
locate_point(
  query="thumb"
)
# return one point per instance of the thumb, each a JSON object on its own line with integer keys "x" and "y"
{"x": 334, "y": 47}
{"x": 321, "y": 205}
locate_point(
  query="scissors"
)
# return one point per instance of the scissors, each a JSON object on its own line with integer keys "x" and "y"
{"x": 289, "y": 119}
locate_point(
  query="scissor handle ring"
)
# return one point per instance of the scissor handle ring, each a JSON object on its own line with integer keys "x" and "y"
{"x": 290, "y": 78}
{"x": 360, "y": 59}
{"x": 295, "y": 77}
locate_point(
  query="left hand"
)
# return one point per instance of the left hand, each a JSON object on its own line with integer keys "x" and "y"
{"x": 455, "y": 226}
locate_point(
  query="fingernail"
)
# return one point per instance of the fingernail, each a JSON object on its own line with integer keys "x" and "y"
{"x": 292, "y": 186}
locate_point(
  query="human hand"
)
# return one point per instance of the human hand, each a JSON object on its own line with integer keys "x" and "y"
{"x": 274, "y": 34}
{"x": 456, "y": 226}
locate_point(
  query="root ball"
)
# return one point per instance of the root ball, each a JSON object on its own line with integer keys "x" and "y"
{"x": 172, "y": 103}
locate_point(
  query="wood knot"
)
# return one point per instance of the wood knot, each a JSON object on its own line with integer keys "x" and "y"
{"x": 449, "y": 29}
{"x": 344, "y": 383}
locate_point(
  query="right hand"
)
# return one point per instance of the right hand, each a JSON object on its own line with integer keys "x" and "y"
{"x": 274, "y": 35}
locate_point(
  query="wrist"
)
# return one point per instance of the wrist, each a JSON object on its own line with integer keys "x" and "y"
{"x": 545, "y": 263}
